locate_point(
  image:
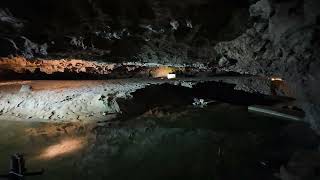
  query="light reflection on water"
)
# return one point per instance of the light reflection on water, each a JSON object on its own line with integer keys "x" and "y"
{"x": 43, "y": 144}
{"x": 66, "y": 146}
{"x": 192, "y": 143}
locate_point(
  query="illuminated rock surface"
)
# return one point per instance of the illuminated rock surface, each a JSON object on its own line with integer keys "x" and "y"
{"x": 98, "y": 100}
{"x": 266, "y": 37}
{"x": 232, "y": 53}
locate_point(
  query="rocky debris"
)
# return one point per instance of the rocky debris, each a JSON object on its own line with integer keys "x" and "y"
{"x": 201, "y": 103}
{"x": 32, "y": 49}
{"x": 187, "y": 84}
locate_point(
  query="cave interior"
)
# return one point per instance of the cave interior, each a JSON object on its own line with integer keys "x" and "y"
{"x": 160, "y": 89}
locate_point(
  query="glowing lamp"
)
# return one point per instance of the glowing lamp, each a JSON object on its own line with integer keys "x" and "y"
{"x": 276, "y": 79}
{"x": 171, "y": 76}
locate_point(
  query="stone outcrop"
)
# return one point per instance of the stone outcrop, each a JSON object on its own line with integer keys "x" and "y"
{"x": 22, "y": 68}
{"x": 112, "y": 31}
{"x": 283, "y": 42}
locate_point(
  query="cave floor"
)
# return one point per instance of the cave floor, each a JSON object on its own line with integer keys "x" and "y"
{"x": 94, "y": 100}
{"x": 158, "y": 134}
{"x": 14, "y": 86}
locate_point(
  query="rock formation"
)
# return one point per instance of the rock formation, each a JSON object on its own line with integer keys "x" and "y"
{"x": 283, "y": 42}
{"x": 271, "y": 38}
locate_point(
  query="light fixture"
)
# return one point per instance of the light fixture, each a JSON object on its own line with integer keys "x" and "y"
{"x": 171, "y": 76}
{"x": 276, "y": 79}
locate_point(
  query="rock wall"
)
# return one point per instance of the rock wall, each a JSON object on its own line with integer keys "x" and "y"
{"x": 169, "y": 31}
{"x": 278, "y": 38}
{"x": 283, "y": 42}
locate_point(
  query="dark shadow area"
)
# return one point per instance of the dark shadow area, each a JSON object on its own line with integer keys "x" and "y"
{"x": 100, "y": 26}
{"x": 178, "y": 96}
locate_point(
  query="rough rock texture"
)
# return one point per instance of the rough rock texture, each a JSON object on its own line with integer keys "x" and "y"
{"x": 85, "y": 103}
{"x": 277, "y": 38}
{"x": 283, "y": 42}
{"x": 18, "y": 68}
{"x": 73, "y": 101}
{"x": 169, "y": 31}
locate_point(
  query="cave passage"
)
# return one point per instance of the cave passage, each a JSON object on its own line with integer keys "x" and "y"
{"x": 160, "y": 89}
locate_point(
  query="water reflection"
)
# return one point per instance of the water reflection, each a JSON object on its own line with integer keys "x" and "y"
{"x": 64, "y": 147}
{"x": 208, "y": 143}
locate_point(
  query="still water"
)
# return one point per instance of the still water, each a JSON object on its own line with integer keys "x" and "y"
{"x": 221, "y": 141}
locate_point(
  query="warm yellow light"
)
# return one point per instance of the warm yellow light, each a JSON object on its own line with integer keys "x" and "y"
{"x": 276, "y": 79}
{"x": 162, "y": 72}
{"x": 66, "y": 146}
